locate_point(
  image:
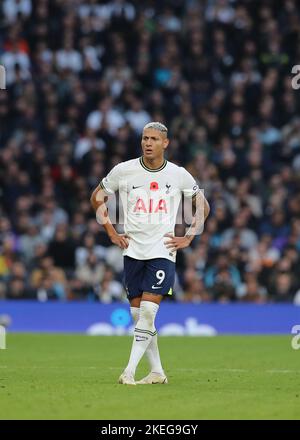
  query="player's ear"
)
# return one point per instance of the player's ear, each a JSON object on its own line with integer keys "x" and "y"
{"x": 166, "y": 143}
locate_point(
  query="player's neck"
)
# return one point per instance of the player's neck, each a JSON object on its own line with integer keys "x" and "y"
{"x": 154, "y": 163}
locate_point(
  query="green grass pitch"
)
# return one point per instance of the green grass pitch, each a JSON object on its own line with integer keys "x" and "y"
{"x": 223, "y": 377}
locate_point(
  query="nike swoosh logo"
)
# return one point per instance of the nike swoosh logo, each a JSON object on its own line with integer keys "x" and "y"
{"x": 155, "y": 287}
{"x": 135, "y": 187}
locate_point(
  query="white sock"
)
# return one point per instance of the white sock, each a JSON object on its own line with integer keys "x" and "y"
{"x": 152, "y": 351}
{"x": 153, "y": 356}
{"x": 143, "y": 333}
{"x": 135, "y": 313}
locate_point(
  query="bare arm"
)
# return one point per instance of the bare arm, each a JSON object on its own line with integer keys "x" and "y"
{"x": 98, "y": 200}
{"x": 200, "y": 210}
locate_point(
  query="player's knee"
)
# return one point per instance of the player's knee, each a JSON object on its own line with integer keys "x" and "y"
{"x": 148, "y": 312}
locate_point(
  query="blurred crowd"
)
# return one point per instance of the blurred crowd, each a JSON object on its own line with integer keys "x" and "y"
{"x": 84, "y": 77}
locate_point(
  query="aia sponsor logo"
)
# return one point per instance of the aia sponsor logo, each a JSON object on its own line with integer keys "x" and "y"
{"x": 152, "y": 206}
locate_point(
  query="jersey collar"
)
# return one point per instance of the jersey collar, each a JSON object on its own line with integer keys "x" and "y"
{"x": 152, "y": 170}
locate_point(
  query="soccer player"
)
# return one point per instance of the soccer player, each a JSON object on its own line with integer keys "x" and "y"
{"x": 151, "y": 189}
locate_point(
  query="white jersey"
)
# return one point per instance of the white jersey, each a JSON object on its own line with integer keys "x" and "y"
{"x": 150, "y": 200}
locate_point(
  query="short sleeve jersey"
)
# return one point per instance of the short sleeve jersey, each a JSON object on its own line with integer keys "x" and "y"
{"x": 150, "y": 200}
